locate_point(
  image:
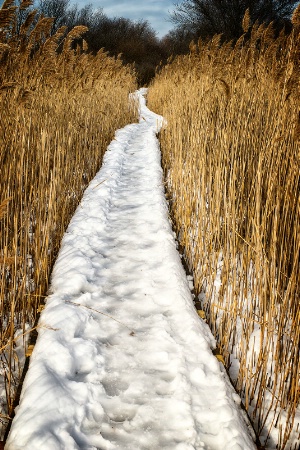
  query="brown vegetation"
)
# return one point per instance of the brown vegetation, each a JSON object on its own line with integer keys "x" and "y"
{"x": 231, "y": 158}
{"x": 58, "y": 113}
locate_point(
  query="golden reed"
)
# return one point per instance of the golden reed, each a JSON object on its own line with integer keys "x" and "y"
{"x": 231, "y": 158}
{"x": 59, "y": 108}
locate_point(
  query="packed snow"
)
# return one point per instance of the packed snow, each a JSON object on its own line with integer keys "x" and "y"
{"x": 122, "y": 360}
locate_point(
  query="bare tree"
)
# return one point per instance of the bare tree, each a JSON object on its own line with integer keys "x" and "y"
{"x": 209, "y": 17}
{"x": 135, "y": 41}
{"x": 54, "y": 8}
{"x": 88, "y": 16}
{"x": 178, "y": 40}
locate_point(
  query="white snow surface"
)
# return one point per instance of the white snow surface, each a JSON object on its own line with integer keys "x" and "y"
{"x": 125, "y": 362}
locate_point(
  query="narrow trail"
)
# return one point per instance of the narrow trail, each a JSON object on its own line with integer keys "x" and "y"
{"x": 123, "y": 360}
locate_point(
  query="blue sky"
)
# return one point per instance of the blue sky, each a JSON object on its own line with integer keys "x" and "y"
{"x": 155, "y": 11}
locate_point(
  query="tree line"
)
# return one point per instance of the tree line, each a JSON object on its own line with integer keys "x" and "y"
{"x": 194, "y": 19}
{"x": 136, "y": 42}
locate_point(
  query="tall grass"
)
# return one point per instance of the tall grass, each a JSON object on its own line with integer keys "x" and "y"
{"x": 59, "y": 110}
{"x": 231, "y": 158}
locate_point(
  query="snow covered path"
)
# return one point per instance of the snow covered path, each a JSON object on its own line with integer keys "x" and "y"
{"x": 125, "y": 362}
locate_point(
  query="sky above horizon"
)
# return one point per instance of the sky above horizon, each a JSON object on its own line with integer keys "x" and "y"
{"x": 156, "y": 12}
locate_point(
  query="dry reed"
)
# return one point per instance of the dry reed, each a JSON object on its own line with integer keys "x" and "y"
{"x": 59, "y": 111}
{"x": 231, "y": 158}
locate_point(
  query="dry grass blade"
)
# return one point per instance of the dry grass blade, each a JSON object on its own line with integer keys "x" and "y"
{"x": 297, "y": 128}
{"x": 41, "y": 30}
{"x": 28, "y": 22}
{"x": 102, "y": 313}
{"x": 25, "y": 4}
{"x": 7, "y": 17}
{"x": 246, "y": 21}
{"x": 4, "y": 207}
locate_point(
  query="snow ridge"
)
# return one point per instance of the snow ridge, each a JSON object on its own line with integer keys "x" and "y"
{"x": 123, "y": 360}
